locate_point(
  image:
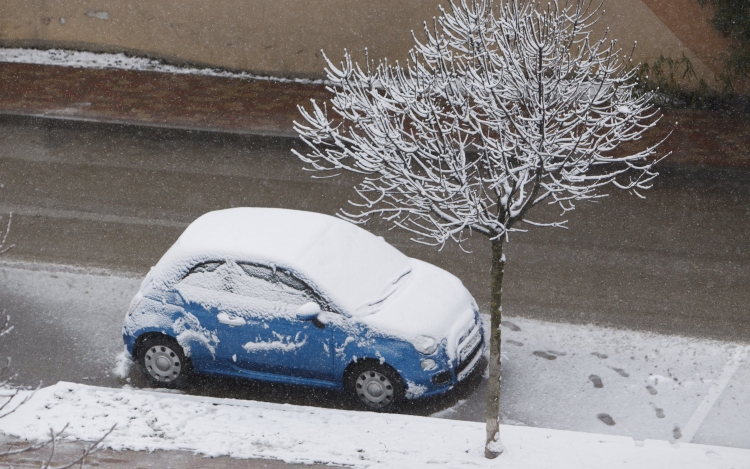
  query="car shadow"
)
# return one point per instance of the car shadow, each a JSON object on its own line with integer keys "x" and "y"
{"x": 247, "y": 389}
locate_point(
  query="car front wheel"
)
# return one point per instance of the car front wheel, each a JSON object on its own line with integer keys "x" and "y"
{"x": 376, "y": 387}
{"x": 163, "y": 362}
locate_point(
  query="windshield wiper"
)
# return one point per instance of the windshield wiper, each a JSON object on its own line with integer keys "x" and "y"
{"x": 388, "y": 291}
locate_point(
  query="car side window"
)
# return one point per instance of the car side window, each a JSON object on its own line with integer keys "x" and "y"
{"x": 210, "y": 275}
{"x": 272, "y": 284}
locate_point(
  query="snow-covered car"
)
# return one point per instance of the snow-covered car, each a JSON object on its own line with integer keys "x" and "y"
{"x": 302, "y": 298}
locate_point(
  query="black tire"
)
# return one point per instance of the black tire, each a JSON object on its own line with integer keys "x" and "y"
{"x": 163, "y": 362}
{"x": 375, "y": 387}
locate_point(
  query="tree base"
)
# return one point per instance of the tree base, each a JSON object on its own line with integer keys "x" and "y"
{"x": 489, "y": 454}
{"x": 493, "y": 449}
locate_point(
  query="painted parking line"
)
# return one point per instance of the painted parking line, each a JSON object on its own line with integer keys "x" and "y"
{"x": 25, "y": 210}
{"x": 704, "y": 408}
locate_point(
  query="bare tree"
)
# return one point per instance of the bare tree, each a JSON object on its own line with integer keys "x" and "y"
{"x": 502, "y": 107}
{"x": 13, "y": 402}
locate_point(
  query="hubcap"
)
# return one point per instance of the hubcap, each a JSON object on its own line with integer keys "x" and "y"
{"x": 374, "y": 389}
{"x": 162, "y": 363}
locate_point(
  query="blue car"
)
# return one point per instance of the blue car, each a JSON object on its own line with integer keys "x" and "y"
{"x": 302, "y": 298}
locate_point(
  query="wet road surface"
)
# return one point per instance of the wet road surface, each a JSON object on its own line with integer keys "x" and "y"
{"x": 115, "y": 198}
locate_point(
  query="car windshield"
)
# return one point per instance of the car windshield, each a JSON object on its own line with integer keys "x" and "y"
{"x": 355, "y": 267}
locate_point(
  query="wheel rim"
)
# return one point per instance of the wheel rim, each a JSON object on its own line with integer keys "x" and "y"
{"x": 162, "y": 363}
{"x": 374, "y": 389}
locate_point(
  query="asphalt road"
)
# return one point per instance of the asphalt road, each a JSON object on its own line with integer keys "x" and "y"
{"x": 67, "y": 326}
{"x": 88, "y": 197}
{"x": 117, "y": 197}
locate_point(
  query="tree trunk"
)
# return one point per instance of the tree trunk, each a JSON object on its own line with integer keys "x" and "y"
{"x": 494, "y": 447}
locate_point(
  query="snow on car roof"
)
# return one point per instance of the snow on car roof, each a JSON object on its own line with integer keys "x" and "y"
{"x": 349, "y": 264}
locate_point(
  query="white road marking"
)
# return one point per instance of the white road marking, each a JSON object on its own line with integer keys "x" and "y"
{"x": 50, "y": 268}
{"x": 704, "y": 408}
{"x": 78, "y": 215}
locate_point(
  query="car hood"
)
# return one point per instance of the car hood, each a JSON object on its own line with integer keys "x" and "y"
{"x": 431, "y": 302}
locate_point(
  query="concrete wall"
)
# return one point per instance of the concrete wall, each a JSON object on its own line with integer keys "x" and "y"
{"x": 266, "y": 36}
{"x": 284, "y": 37}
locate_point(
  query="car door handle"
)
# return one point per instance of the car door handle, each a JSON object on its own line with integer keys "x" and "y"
{"x": 224, "y": 318}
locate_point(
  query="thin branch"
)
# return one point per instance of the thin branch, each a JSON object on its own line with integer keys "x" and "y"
{"x": 91, "y": 449}
{"x": 542, "y": 106}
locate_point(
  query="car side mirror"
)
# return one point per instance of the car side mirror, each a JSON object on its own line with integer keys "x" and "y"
{"x": 308, "y": 311}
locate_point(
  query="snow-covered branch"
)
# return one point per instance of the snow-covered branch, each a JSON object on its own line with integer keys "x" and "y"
{"x": 502, "y": 106}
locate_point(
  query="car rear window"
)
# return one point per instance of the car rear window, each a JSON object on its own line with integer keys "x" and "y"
{"x": 208, "y": 275}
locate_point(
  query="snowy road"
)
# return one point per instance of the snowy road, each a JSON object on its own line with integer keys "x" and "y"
{"x": 561, "y": 376}
{"x": 117, "y": 197}
{"x": 114, "y": 198}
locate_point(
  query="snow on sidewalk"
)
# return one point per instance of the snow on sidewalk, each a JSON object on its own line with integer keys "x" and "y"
{"x": 120, "y": 61}
{"x": 644, "y": 385}
{"x": 148, "y": 420}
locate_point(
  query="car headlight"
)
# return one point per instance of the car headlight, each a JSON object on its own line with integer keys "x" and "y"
{"x": 425, "y": 345}
{"x": 134, "y": 303}
{"x": 428, "y": 364}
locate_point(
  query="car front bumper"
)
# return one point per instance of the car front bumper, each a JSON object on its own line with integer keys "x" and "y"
{"x": 444, "y": 379}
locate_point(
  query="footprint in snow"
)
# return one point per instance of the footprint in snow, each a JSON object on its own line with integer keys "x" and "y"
{"x": 597, "y": 381}
{"x": 544, "y": 355}
{"x": 510, "y": 326}
{"x": 599, "y": 355}
{"x": 711, "y": 454}
{"x": 622, "y": 372}
{"x": 652, "y": 390}
{"x": 606, "y": 419}
{"x": 677, "y": 433}
{"x": 659, "y": 412}
{"x": 513, "y": 342}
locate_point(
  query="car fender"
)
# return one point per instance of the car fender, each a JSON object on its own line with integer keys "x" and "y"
{"x": 158, "y": 316}
{"x": 396, "y": 353}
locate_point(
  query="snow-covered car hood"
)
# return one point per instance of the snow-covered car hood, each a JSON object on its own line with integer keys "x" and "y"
{"x": 431, "y": 302}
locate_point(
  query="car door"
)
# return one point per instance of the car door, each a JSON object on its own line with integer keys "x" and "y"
{"x": 277, "y": 342}
{"x": 203, "y": 294}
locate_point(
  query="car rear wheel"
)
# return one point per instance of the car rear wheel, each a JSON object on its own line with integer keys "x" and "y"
{"x": 376, "y": 387}
{"x": 163, "y": 362}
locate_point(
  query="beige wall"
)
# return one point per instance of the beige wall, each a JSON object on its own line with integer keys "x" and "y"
{"x": 266, "y": 36}
{"x": 283, "y": 37}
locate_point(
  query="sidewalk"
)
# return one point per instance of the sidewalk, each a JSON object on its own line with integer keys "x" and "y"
{"x": 574, "y": 396}
{"x": 193, "y": 99}
{"x": 261, "y": 107}
{"x": 66, "y": 451}
{"x": 212, "y": 427}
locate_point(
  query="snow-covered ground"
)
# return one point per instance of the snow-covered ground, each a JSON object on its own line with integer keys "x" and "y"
{"x": 81, "y": 59}
{"x": 604, "y": 380}
{"x": 246, "y": 429}
{"x": 563, "y": 377}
